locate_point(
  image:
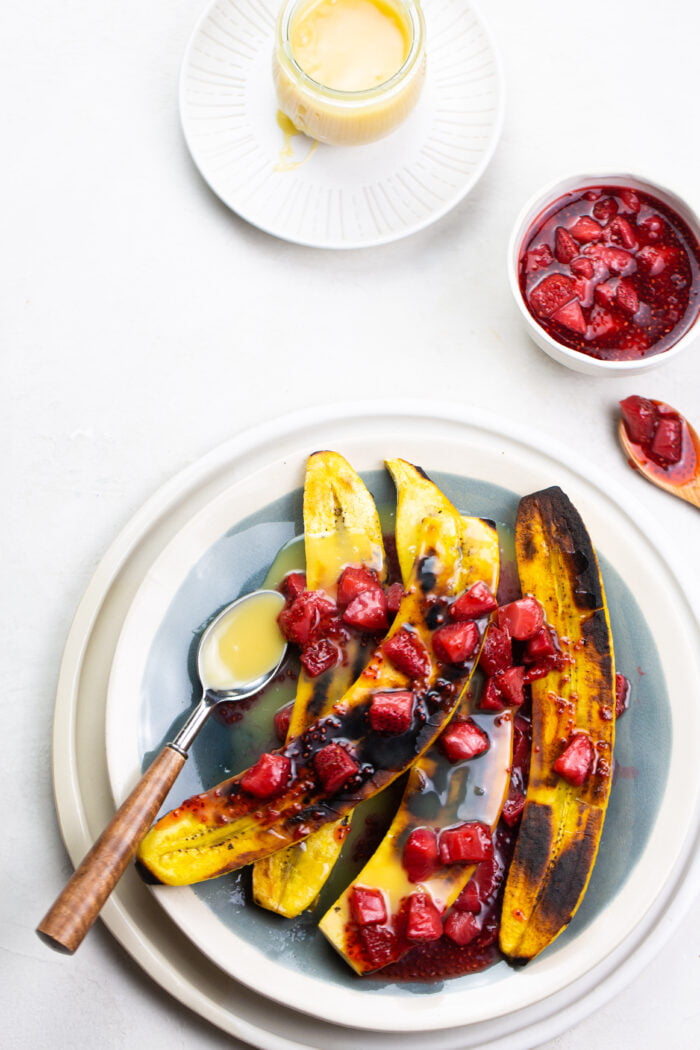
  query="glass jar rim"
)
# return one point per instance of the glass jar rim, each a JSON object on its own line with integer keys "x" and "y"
{"x": 352, "y": 98}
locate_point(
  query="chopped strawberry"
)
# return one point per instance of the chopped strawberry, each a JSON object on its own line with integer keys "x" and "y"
{"x": 565, "y": 247}
{"x": 630, "y": 200}
{"x": 477, "y": 601}
{"x": 605, "y": 292}
{"x": 353, "y": 580}
{"x": 301, "y": 621}
{"x": 407, "y": 653}
{"x": 639, "y": 416}
{"x": 653, "y": 227}
{"x": 491, "y": 698}
{"x": 334, "y": 767}
{"x": 497, "y": 651}
{"x": 423, "y": 921}
{"x": 487, "y": 878}
{"x": 394, "y": 594}
{"x": 654, "y": 258}
{"x": 584, "y": 293}
{"x": 367, "y": 906}
{"x": 320, "y": 656}
{"x": 551, "y": 293}
{"x": 601, "y": 323}
{"x": 461, "y": 927}
{"x": 368, "y": 611}
{"x": 541, "y": 646}
{"x": 586, "y": 229}
{"x": 281, "y": 721}
{"x": 456, "y": 642}
{"x": 522, "y": 618}
{"x": 605, "y": 209}
{"x": 420, "y": 854}
{"x": 391, "y": 712}
{"x": 379, "y": 943}
{"x": 293, "y": 585}
{"x": 626, "y": 296}
{"x": 617, "y": 260}
{"x": 571, "y": 316}
{"x": 667, "y": 445}
{"x": 538, "y": 258}
{"x": 510, "y": 683}
{"x": 469, "y": 899}
{"x": 575, "y": 763}
{"x": 513, "y": 809}
{"x": 582, "y": 267}
{"x": 467, "y": 843}
{"x": 622, "y": 694}
{"x": 463, "y": 740}
{"x": 268, "y": 777}
{"x": 622, "y": 233}
{"x": 540, "y": 669}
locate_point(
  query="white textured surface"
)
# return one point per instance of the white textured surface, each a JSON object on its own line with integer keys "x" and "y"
{"x": 338, "y": 197}
{"x": 143, "y": 323}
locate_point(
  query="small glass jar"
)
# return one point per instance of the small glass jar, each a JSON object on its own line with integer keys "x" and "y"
{"x": 348, "y": 117}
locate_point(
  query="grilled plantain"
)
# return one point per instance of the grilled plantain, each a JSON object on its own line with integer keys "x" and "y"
{"x": 573, "y": 723}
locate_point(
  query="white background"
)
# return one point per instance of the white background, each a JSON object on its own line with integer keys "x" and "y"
{"x": 143, "y": 324}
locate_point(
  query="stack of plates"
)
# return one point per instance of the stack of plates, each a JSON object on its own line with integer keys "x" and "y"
{"x": 125, "y": 680}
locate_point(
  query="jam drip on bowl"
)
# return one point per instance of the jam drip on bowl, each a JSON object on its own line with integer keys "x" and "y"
{"x": 611, "y": 272}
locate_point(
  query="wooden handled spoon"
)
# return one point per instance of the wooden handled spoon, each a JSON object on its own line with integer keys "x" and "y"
{"x": 240, "y": 651}
{"x": 662, "y": 446}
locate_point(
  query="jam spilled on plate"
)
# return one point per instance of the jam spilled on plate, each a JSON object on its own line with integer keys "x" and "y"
{"x": 611, "y": 272}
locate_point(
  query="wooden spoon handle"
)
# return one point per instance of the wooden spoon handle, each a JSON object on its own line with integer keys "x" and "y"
{"x": 76, "y": 908}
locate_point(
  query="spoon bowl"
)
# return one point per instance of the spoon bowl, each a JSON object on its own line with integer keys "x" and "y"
{"x": 680, "y": 478}
{"x": 229, "y": 671}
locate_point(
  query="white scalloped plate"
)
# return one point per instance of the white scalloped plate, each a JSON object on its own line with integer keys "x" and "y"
{"x": 234, "y": 533}
{"x": 333, "y": 196}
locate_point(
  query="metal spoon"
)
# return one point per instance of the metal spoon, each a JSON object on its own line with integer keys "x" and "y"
{"x": 75, "y": 909}
{"x": 682, "y": 480}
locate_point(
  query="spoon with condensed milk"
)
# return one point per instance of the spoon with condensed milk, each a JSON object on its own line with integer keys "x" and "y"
{"x": 240, "y": 652}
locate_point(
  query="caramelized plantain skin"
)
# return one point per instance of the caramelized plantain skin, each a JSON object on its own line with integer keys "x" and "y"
{"x": 561, "y": 824}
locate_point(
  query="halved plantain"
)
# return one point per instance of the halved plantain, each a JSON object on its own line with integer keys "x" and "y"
{"x": 341, "y": 527}
{"x": 437, "y": 793}
{"x": 562, "y": 824}
{"x": 225, "y": 828}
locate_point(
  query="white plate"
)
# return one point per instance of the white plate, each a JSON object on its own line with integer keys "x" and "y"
{"x": 330, "y": 196}
{"x": 612, "y": 934}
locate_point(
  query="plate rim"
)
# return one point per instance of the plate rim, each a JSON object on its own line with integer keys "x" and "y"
{"x": 496, "y": 130}
{"x": 272, "y": 430}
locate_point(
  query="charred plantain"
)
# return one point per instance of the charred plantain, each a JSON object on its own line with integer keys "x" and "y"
{"x": 573, "y": 728}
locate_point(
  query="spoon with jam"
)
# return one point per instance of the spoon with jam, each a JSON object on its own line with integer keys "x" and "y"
{"x": 240, "y": 652}
{"x": 662, "y": 446}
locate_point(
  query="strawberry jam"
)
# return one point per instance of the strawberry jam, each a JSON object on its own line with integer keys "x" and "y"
{"x": 613, "y": 273}
{"x": 660, "y": 437}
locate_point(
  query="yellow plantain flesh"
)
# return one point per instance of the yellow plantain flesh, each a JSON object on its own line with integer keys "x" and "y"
{"x": 341, "y": 527}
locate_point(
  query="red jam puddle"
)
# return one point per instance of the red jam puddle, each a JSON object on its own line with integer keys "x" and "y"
{"x": 611, "y": 272}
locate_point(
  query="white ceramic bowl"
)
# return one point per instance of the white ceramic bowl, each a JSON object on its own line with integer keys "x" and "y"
{"x": 573, "y": 359}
